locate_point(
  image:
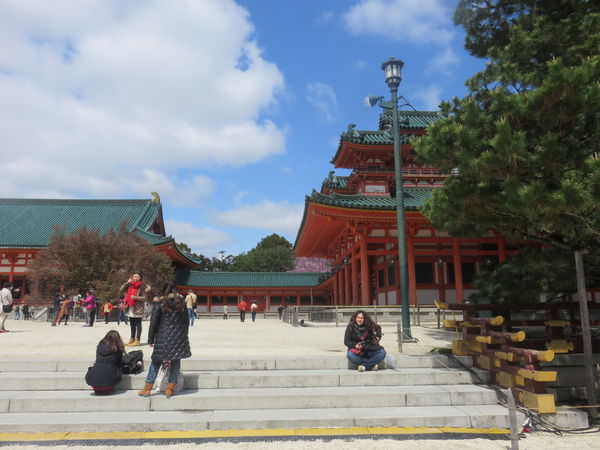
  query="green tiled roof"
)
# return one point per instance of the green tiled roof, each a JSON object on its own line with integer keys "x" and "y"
{"x": 411, "y": 120}
{"x": 414, "y": 197}
{"x": 336, "y": 182}
{"x": 28, "y": 223}
{"x": 247, "y": 279}
{"x": 372, "y": 137}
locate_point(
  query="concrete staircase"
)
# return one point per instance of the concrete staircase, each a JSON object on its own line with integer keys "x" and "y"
{"x": 222, "y": 394}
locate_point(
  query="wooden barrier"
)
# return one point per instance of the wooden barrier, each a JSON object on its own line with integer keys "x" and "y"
{"x": 511, "y": 367}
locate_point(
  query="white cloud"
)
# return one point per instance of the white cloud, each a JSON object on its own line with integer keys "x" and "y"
{"x": 112, "y": 98}
{"x": 203, "y": 240}
{"x": 280, "y": 217}
{"x": 417, "y": 21}
{"x": 323, "y": 98}
{"x": 430, "y": 98}
{"x": 442, "y": 61}
{"x": 360, "y": 64}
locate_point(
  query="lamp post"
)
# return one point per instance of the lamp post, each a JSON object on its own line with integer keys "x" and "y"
{"x": 392, "y": 69}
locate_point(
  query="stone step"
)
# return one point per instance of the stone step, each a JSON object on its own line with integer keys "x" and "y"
{"x": 194, "y": 364}
{"x": 243, "y": 399}
{"x": 486, "y": 416}
{"x": 40, "y": 381}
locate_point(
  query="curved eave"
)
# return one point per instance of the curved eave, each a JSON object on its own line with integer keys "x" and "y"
{"x": 171, "y": 249}
{"x": 343, "y": 159}
{"x": 322, "y": 223}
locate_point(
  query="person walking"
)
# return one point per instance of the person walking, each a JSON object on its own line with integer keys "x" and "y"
{"x": 6, "y": 299}
{"x": 135, "y": 299}
{"x": 66, "y": 310}
{"x": 242, "y": 306}
{"x": 190, "y": 303}
{"x": 168, "y": 335}
{"x": 253, "y": 310}
{"x": 17, "y": 314}
{"x": 225, "y": 312}
{"x": 90, "y": 305}
{"x": 56, "y": 308}
{"x": 121, "y": 316}
{"x": 107, "y": 308}
{"x": 25, "y": 310}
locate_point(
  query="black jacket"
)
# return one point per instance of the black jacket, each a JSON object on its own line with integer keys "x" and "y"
{"x": 168, "y": 332}
{"x": 107, "y": 369}
{"x": 371, "y": 337}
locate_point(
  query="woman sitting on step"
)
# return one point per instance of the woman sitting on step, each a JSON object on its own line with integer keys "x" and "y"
{"x": 168, "y": 334}
{"x": 362, "y": 339}
{"x": 106, "y": 372}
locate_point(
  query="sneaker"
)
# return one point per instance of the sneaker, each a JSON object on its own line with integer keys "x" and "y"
{"x": 361, "y": 368}
{"x": 375, "y": 367}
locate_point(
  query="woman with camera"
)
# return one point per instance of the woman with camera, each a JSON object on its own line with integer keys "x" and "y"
{"x": 135, "y": 299}
{"x": 362, "y": 339}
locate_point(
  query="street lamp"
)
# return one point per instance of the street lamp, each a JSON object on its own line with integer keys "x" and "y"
{"x": 393, "y": 69}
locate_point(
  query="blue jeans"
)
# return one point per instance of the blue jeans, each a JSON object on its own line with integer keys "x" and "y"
{"x": 173, "y": 373}
{"x": 191, "y": 316}
{"x": 367, "y": 359}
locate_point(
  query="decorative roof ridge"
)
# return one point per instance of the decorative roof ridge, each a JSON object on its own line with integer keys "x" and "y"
{"x": 72, "y": 200}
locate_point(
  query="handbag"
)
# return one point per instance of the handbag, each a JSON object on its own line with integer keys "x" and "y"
{"x": 163, "y": 378}
{"x": 6, "y": 308}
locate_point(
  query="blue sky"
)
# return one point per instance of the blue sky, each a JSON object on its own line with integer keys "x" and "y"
{"x": 230, "y": 110}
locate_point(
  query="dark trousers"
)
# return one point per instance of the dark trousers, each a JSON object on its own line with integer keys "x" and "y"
{"x": 135, "y": 323}
{"x": 242, "y": 316}
{"x": 92, "y": 316}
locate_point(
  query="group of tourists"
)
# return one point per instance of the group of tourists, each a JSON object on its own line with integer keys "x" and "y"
{"x": 243, "y": 308}
{"x": 167, "y": 334}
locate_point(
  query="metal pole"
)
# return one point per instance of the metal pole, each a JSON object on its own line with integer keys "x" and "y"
{"x": 512, "y": 418}
{"x": 588, "y": 357}
{"x": 400, "y": 340}
{"x": 400, "y": 218}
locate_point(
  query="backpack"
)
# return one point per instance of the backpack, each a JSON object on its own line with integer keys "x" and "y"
{"x": 133, "y": 362}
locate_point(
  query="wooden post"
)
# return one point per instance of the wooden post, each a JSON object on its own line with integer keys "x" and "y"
{"x": 588, "y": 358}
{"x": 412, "y": 277}
{"x": 458, "y": 282}
{"x": 355, "y": 294}
{"x": 512, "y": 418}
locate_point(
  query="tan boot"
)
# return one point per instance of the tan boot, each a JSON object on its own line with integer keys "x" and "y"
{"x": 147, "y": 390}
{"x": 169, "y": 390}
{"x": 136, "y": 343}
{"x": 131, "y": 341}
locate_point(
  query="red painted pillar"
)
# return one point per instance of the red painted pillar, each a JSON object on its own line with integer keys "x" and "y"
{"x": 334, "y": 290}
{"x": 364, "y": 272}
{"x": 208, "y": 302}
{"x": 458, "y": 282}
{"x": 441, "y": 282}
{"x": 341, "y": 288}
{"x": 501, "y": 250}
{"x": 412, "y": 277}
{"x": 355, "y": 296}
{"x": 348, "y": 299}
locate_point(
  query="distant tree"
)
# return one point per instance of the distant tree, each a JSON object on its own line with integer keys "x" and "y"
{"x": 272, "y": 254}
{"x": 88, "y": 259}
{"x": 526, "y": 139}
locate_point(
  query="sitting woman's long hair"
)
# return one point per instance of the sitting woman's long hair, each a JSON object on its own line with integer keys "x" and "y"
{"x": 368, "y": 323}
{"x": 171, "y": 300}
{"x": 113, "y": 342}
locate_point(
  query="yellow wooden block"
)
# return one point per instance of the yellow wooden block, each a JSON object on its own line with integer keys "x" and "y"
{"x": 497, "y": 321}
{"x": 459, "y": 348}
{"x": 440, "y": 305}
{"x": 560, "y": 346}
{"x": 546, "y": 356}
{"x": 519, "y": 336}
{"x": 557, "y": 323}
{"x": 538, "y": 375}
{"x": 507, "y": 356}
{"x": 505, "y": 379}
{"x": 542, "y": 403}
{"x": 484, "y": 362}
{"x": 474, "y": 347}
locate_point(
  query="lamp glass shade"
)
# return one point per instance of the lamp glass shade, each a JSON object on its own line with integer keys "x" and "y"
{"x": 392, "y": 69}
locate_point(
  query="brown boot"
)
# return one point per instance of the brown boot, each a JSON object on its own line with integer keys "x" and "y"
{"x": 136, "y": 343}
{"x": 169, "y": 390}
{"x": 131, "y": 341}
{"x": 147, "y": 390}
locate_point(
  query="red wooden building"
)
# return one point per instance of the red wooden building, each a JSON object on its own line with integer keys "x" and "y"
{"x": 352, "y": 220}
